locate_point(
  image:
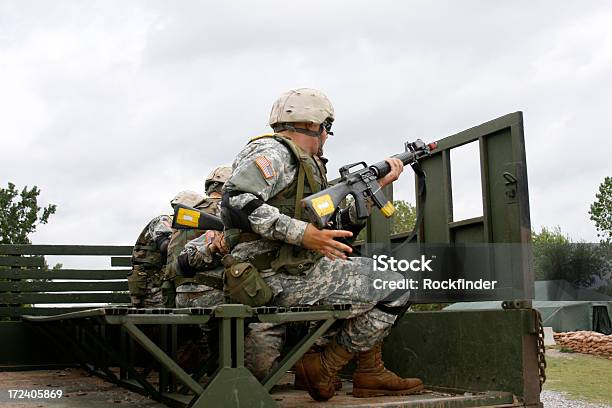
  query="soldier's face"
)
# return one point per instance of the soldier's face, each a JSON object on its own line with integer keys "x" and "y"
{"x": 324, "y": 136}
{"x": 321, "y": 141}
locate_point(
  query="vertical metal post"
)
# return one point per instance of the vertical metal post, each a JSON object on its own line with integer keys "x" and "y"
{"x": 163, "y": 373}
{"x": 448, "y": 192}
{"x": 173, "y": 353}
{"x": 225, "y": 343}
{"x": 130, "y": 351}
{"x": 239, "y": 341}
{"x": 123, "y": 375}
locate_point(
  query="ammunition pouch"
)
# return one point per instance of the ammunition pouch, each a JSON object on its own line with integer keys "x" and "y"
{"x": 201, "y": 278}
{"x": 243, "y": 284}
{"x": 179, "y": 280}
{"x": 180, "y": 271}
{"x": 204, "y": 278}
{"x": 235, "y": 236}
{"x": 294, "y": 260}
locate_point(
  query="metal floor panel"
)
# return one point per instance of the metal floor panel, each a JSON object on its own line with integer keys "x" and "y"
{"x": 287, "y": 397}
{"x": 85, "y": 390}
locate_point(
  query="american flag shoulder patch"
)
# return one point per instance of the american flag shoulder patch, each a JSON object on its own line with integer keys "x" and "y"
{"x": 265, "y": 166}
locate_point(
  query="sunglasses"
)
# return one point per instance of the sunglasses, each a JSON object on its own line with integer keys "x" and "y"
{"x": 327, "y": 125}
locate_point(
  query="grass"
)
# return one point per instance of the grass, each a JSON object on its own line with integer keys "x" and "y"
{"x": 581, "y": 376}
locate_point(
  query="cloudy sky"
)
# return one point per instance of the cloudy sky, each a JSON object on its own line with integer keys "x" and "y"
{"x": 111, "y": 107}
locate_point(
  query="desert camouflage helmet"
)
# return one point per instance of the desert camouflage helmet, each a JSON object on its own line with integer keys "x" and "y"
{"x": 302, "y": 105}
{"x": 219, "y": 175}
{"x": 187, "y": 197}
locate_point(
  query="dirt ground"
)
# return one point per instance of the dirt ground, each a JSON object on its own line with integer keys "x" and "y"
{"x": 80, "y": 389}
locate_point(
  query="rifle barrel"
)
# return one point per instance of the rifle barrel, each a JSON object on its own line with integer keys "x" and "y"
{"x": 382, "y": 168}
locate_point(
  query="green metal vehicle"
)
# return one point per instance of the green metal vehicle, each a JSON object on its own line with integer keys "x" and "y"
{"x": 478, "y": 358}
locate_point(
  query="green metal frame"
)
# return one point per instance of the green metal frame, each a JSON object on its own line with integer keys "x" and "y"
{"x": 24, "y": 280}
{"x": 505, "y": 197}
{"x": 232, "y": 384}
{"x": 469, "y": 351}
{"x": 505, "y": 203}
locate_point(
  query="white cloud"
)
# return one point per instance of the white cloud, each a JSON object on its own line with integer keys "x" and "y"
{"x": 113, "y": 107}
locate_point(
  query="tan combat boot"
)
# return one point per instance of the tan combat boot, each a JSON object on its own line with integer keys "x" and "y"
{"x": 299, "y": 382}
{"x": 318, "y": 370}
{"x": 372, "y": 378}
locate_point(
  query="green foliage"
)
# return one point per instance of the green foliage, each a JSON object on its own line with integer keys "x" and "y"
{"x": 547, "y": 236}
{"x": 20, "y": 214}
{"x": 404, "y": 218}
{"x": 556, "y": 257}
{"x": 601, "y": 211}
{"x": 428, "y": 307}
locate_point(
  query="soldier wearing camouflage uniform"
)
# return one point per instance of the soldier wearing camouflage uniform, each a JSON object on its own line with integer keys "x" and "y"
{"x": 302, "y": 264}
{"x": 199, "y": 282}
{"x": 193, "y": 251}
{"x": 149, "y": 257}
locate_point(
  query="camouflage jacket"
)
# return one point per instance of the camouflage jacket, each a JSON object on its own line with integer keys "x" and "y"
{"x": 181, "y": 239}
{"x": 262, "y": 170}
{"x": 146, "y": 253}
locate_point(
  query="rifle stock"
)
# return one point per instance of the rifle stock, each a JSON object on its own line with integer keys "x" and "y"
{"x": 321, "y": 206}
{"x": 186, "y": 217}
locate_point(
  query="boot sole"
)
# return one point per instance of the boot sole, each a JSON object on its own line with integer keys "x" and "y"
{"x": 367, "y": 392}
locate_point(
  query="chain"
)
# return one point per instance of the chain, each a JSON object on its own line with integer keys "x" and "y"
{"x": 541, "y": 350}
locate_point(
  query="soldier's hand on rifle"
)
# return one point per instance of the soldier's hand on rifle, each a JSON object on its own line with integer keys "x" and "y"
{"x": 323, "y": 241}
{"x": 396, "y": 169}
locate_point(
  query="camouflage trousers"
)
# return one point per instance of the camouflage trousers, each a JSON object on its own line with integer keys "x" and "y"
{"x": 152, "y": 297}
{"x": 144, "y": 289}
{"x": 193, "y": 295}
{"x": 343, "y": 281}
{"x": 263, "y": 342}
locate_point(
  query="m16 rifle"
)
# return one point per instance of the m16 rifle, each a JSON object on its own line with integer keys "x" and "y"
{"x": 363, "y": 184}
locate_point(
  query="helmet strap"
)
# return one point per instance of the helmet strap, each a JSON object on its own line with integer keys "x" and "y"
{"x": 288, "y": 126}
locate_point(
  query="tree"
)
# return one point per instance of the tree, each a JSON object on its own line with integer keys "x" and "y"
{"x": 404, "y": 217}
{"x": 549, "y": 236}
{"x": 20, "y": 214}
{"x": 402, "y": 220}
{"x": 601, "y": 211}
{"x": 555, "y": 256}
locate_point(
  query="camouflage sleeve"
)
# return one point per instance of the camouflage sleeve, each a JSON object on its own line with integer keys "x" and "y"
{"x": 160, "y": 228}
{"x": 263, "y": 169}
{"x": 198, "y": 254}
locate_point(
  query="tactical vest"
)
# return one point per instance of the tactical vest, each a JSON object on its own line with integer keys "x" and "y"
{"x": 310, "y": 178}
{"x": 180, "y": 238}
{"x": 146, "y": 255}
